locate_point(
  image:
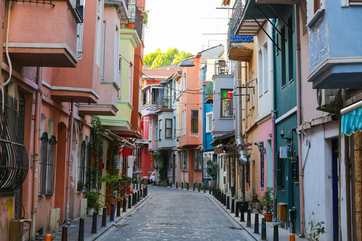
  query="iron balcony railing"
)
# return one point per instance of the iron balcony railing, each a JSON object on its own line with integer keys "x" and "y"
{"x": 222, "y": 67}
{"x": 135, "y": 17}
{"x": 163, "y": 103}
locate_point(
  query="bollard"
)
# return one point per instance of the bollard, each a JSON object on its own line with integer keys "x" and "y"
{"x": 263, "y": 229}
{"x": 137, "y": 186}
{"x": 232, "y": 205}
{"x": 138, "y": 196}
{"x": 118, "y": 208}
{"x": 204, "y": 189}
{"x": 133, "y": 186}
{"x": 170, "y": 184}
{"x": 242, "y": 213}
{"x": 129, "y": 202}
{"x": 276, "y": 233}
{"x": 256, "y": 223}
{"x": 188, "y": 186}
{"x": 48, "y": 237}
{"x": 237, "y": 204}
{"x": 94, "y": 223}
{"x": 224, "y": 199}
{"x": 81, "y": 230}
{"x": 227, "y": 202}
{"x": 292, "y": 237}
{"x": 193, "y": 187}
{"x": 182, "y": 185}
{"x": 199, "y": 187}
{"x": 124, "y": 204}
{"x": 104, "y": 217}
{"x": 111, "y": 217}
{"x": 65, "y": 233}
{"x": 133, "y": 199}
{"x": 209, "y": 190}
{"x": 141, "y": 195}
{"x": 248, "y": 219}
{"x": 176, "y": 185}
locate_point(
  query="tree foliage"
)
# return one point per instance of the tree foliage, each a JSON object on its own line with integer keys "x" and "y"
{"x": 158, "y": 58}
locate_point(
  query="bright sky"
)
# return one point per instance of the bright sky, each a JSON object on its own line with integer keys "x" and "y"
{"x": 185, "y": 24}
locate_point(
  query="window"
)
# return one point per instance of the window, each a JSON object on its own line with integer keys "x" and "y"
{"x": 131, "y": 83}
{"x": 156, "y": 130}
{"x": 150, "y": 130}
{"x": 260, "y": 72}
{"x": 265, "y": 67}
{"x": 120, "y": 77}
{"x": 124, "y": 165}
{"x": 144, "y": 98}
{"x": 99, "y": 32}
{"x": 160, "y": 130}
{"x": 46, "y": 164}
{"x": 284, "y": 58}
{"x": 80, "y": 30}
{"x": 168, "y": 128}
{"x": 116, "y": 54}
{"x": 82, "y": 161}
{"x": 184, "y": 160}
{"x": 103, "y": 51}
{"x": 194, "y": 121}
{"x": 247, "y": 172}
{"x": 317, "y": 5}
{"x": 197, "y": 159}
{"x": 226, "y": 104}
{"x": 174, "y": 127}
{"x": 183, "y": 117}
{"x": 209, "y": 122}
{"x": 290, "y": 51}
{"x": 184, "y": 82}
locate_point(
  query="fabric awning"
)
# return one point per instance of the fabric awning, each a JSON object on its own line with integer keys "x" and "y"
{"x": 351, "y": 119}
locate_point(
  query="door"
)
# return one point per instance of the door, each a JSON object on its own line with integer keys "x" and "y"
{"x": 173, "y": 168}
{"x": 335, "y": 187}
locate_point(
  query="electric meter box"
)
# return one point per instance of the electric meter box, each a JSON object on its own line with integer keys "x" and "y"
{"x": 283, "y": 152}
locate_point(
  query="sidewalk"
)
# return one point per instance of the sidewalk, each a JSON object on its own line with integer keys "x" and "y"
{"x": 284, "y": 234}
{"x": 73, "y": 227}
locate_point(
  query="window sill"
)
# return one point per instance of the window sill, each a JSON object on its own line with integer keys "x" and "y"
{"x": 319, "y": 14}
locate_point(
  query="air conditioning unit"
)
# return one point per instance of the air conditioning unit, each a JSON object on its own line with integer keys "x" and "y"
{"x": 329, "y": 100}
{"x": 248, "y": 196}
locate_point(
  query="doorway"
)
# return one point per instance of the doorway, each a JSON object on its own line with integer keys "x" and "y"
{"x": 335, "y": 155}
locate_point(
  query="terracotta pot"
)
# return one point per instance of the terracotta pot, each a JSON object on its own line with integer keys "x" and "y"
{"x": 268, "y": 217}
{"x": 130, "y": 25}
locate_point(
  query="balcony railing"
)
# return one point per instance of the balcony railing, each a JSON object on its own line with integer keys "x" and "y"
{"x": 222, "y": 67}
{"x": 135, "y": 17}
{"x": 163, "y": 103}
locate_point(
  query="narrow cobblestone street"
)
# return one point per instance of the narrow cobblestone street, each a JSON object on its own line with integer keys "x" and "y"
{"x": 172, "y": 214}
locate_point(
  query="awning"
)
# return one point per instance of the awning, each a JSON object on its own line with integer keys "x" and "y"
{"x": 351, "y": 119}
{"x": 118, "y": 139}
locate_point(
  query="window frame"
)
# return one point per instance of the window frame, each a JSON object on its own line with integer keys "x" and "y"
{"x": 168, "y": 128}
{"x": 209, "y": 124}
{"x": 222, "y": 105}
{"x": 194, "y": 121}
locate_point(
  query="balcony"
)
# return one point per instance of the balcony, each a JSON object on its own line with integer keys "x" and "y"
{"x": 136, "y": 18}
{"x": 43, "y": 34}
{"x": 163, "y": 104}
{"x": 209, "y": 92}
{"x": 121, "y": 6}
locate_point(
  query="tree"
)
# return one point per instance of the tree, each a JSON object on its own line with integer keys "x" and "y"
{"x": 158, "y": 58}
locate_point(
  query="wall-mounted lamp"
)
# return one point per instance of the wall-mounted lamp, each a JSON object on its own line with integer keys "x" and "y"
{"x": 261, "y": 148}
{"x": 282, "y": 135}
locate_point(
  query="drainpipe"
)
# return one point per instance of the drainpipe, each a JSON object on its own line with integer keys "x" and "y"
{"x": 36, "y": 151}
{"x": 299, "y": 118}
{"x": 238, "y": 116}
{"x": 69, "y": 162}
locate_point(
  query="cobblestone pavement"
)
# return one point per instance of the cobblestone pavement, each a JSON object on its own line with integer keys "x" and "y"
{"x": 172, "y": 214}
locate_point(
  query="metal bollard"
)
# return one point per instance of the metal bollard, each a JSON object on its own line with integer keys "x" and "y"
{"x": 242, "y": 213}
{"x": 263, "y": 229}
{"x": 48, "y": 237}
{"x": 133, "y": 198}
{"x": 133, "y": 186}
{"x": 141, "y": 195}
{"x": 182, "y": 185}
{"x": 209, "y": 190}
{"x": 199, "y": 186}
{"x": 94, "y": 223}
{"x": 111, "y": 217}
{"x": 193, "y": 187}
{"x": 276, "y": 233}
{"x": 232, "y": 206}
{"x": 204, "y": 189}
{"x": 256, "y": 223}
{"x": 118, "y": 208}
{"x": 170, "y": 184}
{"x": 65, "y": 233}
{"x": 237, "y": 209}
{"x": 224, "y": 199}
{"x": 188, "y": 186}
{"x": 138, "y": 196}
{"x": 176, "y": 185}
{"x": 81, "y": 230}
{"x": 124, "y": 204}
{"x": 248, "y": 219}
{"x": 129, "y": 202}
{"x": 104, "y": 217}
{"x": 227, "y": 202}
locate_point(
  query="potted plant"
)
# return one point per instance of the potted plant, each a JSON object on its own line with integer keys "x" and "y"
{"x": 267, "y": 204}
{"x": 211, "y": 170}
{"x": 93, "y": 201}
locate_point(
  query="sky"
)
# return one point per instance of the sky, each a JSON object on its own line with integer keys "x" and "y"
{"x": 185, "y": 24}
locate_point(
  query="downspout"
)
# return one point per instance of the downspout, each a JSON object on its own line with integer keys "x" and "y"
{"x": 299, "y": 121}
{"x": 35, "y": 156}
{"x": 69, "y": 162}
{"x": 238, "y": 116}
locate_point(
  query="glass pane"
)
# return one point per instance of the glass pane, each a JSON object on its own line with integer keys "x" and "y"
{"x": 226, "y": 108}
{"x": 168, "y": 123}
{"x": 194, "y": 123}
{"x": 168, "y": 133}
{"x": 194, "y": 113}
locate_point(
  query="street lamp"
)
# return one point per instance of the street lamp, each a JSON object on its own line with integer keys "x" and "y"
{"x": 187, "y": 63}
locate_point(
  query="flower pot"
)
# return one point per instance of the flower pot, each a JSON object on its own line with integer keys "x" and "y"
{"x": 268, "y": 217}
{"x": 130, "y": 25}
